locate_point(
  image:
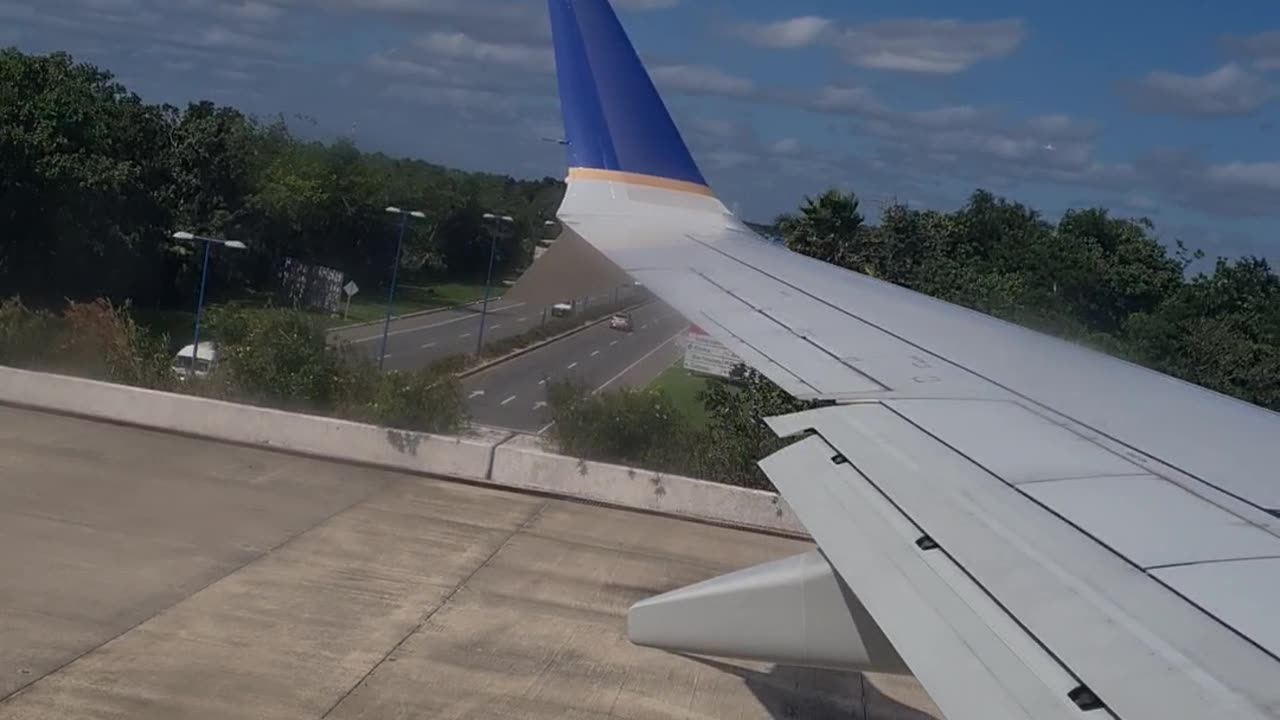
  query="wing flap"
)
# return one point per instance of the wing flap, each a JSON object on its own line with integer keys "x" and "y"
{"x": 1145, "y": 651}
{"x": 935, "y": 618}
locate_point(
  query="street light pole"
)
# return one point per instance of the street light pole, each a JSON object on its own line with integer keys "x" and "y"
{"x": 395, "y": 271}
{"x": 488, "y": 280}
{"x": 204, "y": 277}
{"x": 195, "y": 338}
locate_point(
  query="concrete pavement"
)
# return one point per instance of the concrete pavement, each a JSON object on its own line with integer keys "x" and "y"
{"x": 513, "y": 394}
{"x": 146, "y": 575}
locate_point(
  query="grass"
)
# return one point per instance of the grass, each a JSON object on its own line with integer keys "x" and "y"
{"x": 372, "y": 305}
{"x": 683, "y": 387}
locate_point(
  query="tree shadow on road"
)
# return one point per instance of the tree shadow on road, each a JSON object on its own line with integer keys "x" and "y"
{"x": 808, "y": 694}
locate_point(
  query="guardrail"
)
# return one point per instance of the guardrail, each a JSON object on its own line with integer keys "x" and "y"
{"x": 499, "y": 458}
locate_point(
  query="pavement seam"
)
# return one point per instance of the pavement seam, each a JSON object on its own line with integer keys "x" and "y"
{"x": 443, "y": 602}
{"x": 269, "y": 551}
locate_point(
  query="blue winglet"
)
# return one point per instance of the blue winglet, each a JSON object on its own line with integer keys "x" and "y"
{"x": 614, "y": 119}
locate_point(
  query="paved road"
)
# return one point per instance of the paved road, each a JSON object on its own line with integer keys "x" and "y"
{"x": 417, "y": 341}
{"x": 151, "y": 576}
{"x": 514, "y": 394}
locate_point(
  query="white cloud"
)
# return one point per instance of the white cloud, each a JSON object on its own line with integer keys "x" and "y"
{"x": 644, "y": 5}
{"x": 385, "y": 64}
{"x": 461, "y": 46}
{"x": 785, "y": 146}
{"x": 252, "y": 11}
{"x": 933, "y": 46}
{"x": 793, "y": 33}
{"x": 1229, "y": 90}
{"x": 852, "y": 100}
{"x": 929, "y": 46}
{"x": 1262, "y": 49}
{"x": 700, "y": 80}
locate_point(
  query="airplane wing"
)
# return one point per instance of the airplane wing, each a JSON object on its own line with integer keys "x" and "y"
{"x": 1031, "y": 528}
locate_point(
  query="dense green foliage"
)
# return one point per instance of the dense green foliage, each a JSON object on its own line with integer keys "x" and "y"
{"x": 96, "y": 340}
{"x": 1104, "y": 281}
{"x": 95, "y": 181}
{"x": 275, "y": 358}
{"x": 643, "y": 428}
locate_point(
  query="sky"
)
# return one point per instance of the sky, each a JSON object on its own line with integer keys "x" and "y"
{"x": 1168, "y": 111}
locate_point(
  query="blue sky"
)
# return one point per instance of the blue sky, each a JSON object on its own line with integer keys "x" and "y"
{"x": 1167, "y": 112}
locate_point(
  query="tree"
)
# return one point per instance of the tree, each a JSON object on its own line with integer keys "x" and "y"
{"x": 826, "y": 228}
{"x": 737, "y": 437}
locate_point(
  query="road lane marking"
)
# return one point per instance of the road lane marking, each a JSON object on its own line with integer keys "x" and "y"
{"x": 543, "y": 381}
{"x": 522, "y": 319}
{"x": 436, "y": 325}
{"x": 427, "y": 345}
{"x": 595, "y": 353}
{"x": 504, "y": 402}
{"x": 540, "y": 404}
{"x": 494, "y": 327}
{"x": 572, "y": 365}
{"x": 615, "y": 342}
{"x": 644, "y": 326}
{"x": 465, "y": 335}
{"x": 476, "y": 393}
{"x": 644, "y": 357}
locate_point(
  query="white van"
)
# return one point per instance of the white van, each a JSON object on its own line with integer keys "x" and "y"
{"x": 205, "y": 362}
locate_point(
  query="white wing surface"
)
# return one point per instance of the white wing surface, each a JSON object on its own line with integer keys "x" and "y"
{"x": 1039, "y": 530}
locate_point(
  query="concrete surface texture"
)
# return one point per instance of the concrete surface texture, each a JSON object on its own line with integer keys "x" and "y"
{"x": 145, "y": 575}
{"x": 529, "y": 462}
{"x": 513, "y": 394}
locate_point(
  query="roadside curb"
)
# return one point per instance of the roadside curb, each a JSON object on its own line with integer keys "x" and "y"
{"x": 414, "y": 314}
{"x": 542, "y": 343}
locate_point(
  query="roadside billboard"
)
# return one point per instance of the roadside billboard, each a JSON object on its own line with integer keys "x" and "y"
{"x": 705, "y": 355}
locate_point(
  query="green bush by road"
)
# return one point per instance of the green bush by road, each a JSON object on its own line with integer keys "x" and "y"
{"x": 272, "y": 358}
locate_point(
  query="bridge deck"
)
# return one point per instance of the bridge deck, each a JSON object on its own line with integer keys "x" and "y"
{"x": 145, "y": 575}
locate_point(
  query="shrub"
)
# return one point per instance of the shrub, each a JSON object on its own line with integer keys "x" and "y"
{"x": 428, "y": 399}
{"x": 26, "y": 335}
{"x": 96, "y": 339}
{"x": 635, "y": 427}
{"x": 274, "y": 357}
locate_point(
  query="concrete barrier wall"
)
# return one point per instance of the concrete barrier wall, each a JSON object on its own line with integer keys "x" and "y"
{"x": 524, "y": 462}
{"x": 499, "y": 458}
{"x": 463, "y": 457}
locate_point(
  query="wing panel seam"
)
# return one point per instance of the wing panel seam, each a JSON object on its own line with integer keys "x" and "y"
{"x": 977, "y": 374}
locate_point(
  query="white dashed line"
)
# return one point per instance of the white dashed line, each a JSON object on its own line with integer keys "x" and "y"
{"x": 430, "y": 344}
{"x": 504, "y": 402}
{"x": 494, "y": 327}
{"x": 595, "y": 353}
{"x": 628, "y": 368}
{"x": 521, "y": 319}
{"x": 433, "y": 325}
{"x": 615, "y": 342}
{"x": 644, "y": 326}
{"x": 465, "y": 335}
{"x": 572, "y": 365}
{"x": 543, "y": 381}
